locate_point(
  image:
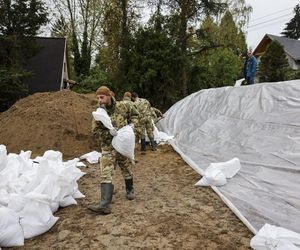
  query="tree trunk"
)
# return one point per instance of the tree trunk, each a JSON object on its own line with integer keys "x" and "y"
{"x": 183, "y": 45}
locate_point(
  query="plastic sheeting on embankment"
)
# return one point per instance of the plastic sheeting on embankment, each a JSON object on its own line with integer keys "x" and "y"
{"x": 259, "y": 124}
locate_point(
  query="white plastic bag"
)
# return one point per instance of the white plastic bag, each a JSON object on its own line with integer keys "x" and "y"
{"x": 124, "y": 142}
{"x": 53, "y": 155}
{"x": 36, "y": 217}
{"x": 275, "y": 238}
{"x": 216, "y": 173}
{"x": 159, "y": 136}
{"x": 101, "y": 115}
{"x": 239, "y": 82}
{"x": 3, "y": 157}
{"x": 91, "y": 157}
{"x": 11, "y": 233}
{"x": 213, "y": 178}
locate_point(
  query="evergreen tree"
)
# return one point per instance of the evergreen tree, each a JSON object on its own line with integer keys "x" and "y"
{"x": 292, "y": 29}
{"x": 219, "y": 62}
{"x": 20, "y": 21}
{"x": 154, "y": 67}
{"x": 231, "y": 36}
{"x": 274, "y": 65}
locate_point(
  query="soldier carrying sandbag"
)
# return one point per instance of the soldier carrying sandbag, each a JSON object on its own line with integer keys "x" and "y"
{"x": 121, "y": 114}
{"x": 145, "y": 125}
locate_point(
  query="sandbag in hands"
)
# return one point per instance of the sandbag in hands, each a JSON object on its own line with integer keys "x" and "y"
{"x": 124, "y": 142}
{"x": 113, "y": 132}
{"x": 101, "y": 115}
{"x": 123, "y": 139}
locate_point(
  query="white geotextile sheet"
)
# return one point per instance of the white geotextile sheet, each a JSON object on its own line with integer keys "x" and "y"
{"x": 260, "y": 125}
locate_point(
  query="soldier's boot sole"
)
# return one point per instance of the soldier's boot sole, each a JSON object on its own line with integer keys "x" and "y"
{"x": 130, "y": 196}
{"x": 102, "y": 210}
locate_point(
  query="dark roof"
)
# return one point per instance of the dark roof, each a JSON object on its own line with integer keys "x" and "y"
{"x": 47, "y": 65}
{"x": 291, "y": 46}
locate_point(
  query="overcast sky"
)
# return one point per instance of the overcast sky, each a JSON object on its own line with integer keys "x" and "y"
{"x": 268, "y": 16}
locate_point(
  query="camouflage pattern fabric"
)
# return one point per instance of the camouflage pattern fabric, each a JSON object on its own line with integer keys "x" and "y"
{"x": 108, "y": 162}
{"x": 121, "y": 114}
{"x": 145, "y": 119}
{"x": 156, "y": 113}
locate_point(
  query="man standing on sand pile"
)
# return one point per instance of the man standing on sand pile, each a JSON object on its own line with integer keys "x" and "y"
{"x": 121, "y": 114}
{"x": 145, "y": 122}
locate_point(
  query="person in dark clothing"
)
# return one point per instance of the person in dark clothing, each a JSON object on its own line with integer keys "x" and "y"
{"x": 250, "y": 68}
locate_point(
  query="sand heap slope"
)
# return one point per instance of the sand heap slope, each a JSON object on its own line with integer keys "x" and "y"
{"x": 57, "y": 120}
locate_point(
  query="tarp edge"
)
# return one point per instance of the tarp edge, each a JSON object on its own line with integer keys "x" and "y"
{"x": 233, "y": 208}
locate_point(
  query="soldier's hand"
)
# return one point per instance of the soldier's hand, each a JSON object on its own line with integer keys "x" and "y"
{"x": 113, "y": 132}
{"x": 132, "y": 126}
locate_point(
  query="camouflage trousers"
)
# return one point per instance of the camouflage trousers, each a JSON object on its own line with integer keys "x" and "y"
{"x": 145, "y": 125}
{"x": 109, "y": 160}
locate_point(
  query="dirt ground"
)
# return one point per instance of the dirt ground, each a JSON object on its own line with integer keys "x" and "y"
{"x": 169, "y": 212}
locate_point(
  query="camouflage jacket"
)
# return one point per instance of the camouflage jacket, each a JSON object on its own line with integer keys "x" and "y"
{"x": 144, "y": 108}
{"x": 156, "y": 113}
{"x": 121, "y": 113}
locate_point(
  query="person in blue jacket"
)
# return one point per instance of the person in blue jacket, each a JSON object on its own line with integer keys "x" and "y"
{"x": 250, "y": 68}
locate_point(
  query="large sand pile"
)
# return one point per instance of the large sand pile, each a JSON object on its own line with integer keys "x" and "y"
{"x": 58, "y": 120}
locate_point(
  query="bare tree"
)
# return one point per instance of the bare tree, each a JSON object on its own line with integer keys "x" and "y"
{"x": 83, "y": 18}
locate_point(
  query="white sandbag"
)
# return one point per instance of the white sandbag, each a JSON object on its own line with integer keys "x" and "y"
{"x": 213, "y": 178}
{"x": 80, "y": 164}
{"x": 124, "y": 142}
{"x": 275, "y": 238}
{"x": 54, "y": 205}
{"x": 75, "y": 162}
{"x": 101, "y": 115}
{"x": 11, "y": 233}
{"x": 229, "y": 168}
{"x": 16, "y": 202}
{"x": 67, "y": 201}
{"x": 78, "y": 195}
{"x": 53, "y": 155}
{"x": 68, "y": 181}
{"x": 38, "y": 159}
{"x": 25, "y": 155}
{"x": 216, "y": 173}
{"x": 25, "y": 161}
{"x": 91, "y": 157}
{"x": 4, "y": 197}
{"x": 10, "y": 173}
{"x": 3, "y": 157}
{"x": 239, "y": 82}
{"x": 36, "y": 217}
{"x": 159, "y": 136}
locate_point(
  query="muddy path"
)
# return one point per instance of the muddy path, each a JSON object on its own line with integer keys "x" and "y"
{"x": 169, "y": 212}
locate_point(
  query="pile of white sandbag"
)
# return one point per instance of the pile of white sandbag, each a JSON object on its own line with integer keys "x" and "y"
{"x": 31, "y": 191}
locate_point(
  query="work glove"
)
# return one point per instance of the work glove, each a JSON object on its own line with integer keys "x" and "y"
{"x": 113, "y": 131}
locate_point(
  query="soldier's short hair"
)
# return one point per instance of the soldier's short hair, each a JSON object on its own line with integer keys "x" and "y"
{"x": 127, "y": 94}
{"x": 103, "y": 90}
{"x": 134, "y": 95}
